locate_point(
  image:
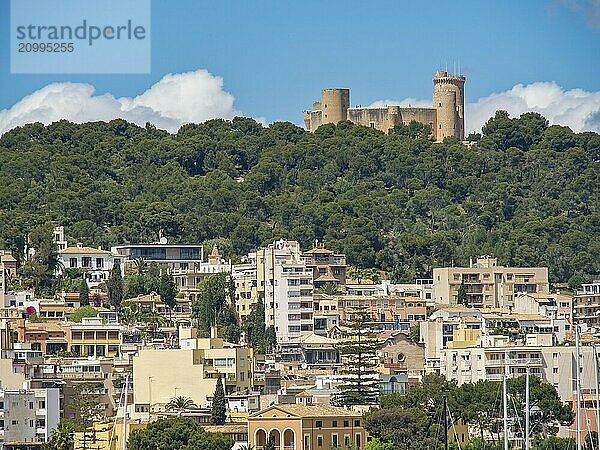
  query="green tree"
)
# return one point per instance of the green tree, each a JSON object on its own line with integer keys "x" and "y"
{"x": 270, "y": 443}
{"x": 85, "y": 404}
{"x": 405, "y": 429}
{"x": 180, "y": 404}
{"x": 62, "y": 437}
{"x": 461, "y": 297}
{"x": 213, "y": 295}
{"x": 168, "y": 290}
{"x": 360, "y": 384}
{"x": 84, "y": 311}
{"x": 115, "y": 287}
{"x": 219, "y": 404}
{"x": 176, "y": 434}
{"x": 41, "y": 268}
{"x": 255, "y": 328}
{"x": 84, "y": 293}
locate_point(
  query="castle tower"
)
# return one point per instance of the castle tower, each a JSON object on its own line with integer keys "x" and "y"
{"x": 334, "y": 105}
{"x": 449, "y": 101}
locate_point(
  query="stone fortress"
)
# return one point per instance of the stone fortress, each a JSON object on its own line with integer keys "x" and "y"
{"x": 446, "y": 118}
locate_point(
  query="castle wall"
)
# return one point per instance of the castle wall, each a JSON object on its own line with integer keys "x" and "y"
{"x": 386, "y": 117}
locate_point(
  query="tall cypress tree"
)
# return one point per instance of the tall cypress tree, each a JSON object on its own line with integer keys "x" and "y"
{"x": 84, "y": 293}
{"x": 219, "y": 407}
{"x": 167, "y": 291}
{"x": 115, "y": 287}
{"x": 359, "y": 359}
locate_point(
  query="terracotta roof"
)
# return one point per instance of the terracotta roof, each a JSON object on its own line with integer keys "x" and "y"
{"x": 83, "y": 250}
{"x": 310, "y": 411}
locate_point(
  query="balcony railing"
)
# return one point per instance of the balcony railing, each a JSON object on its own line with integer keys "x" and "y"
{"x": 514, "y": 362}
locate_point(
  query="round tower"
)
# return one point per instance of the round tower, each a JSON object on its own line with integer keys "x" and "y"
{"x": 334, "y": 105}
{"x": 449, "y": 101}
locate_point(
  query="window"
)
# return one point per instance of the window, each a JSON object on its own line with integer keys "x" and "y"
{"x": 31, "y": 424}
{"x": 320, "y": 440}
{"x": 72, "y": 262}
{"x": 357, "y": 423}
{"x": 358, "y": 440}
{"x": 346, "y": 423}
{"x": 1, "y": 424}
{"x": 319, "y": 424}
{"x": 306, "y": 441}
{"x": 334, "y": 440}
{"x": 100, "y": 263}
{"x": 30, "y": 405}
{"x": 334, "y": 424}
{"x": 14, "y": 422}
{"x": 347, "y": 440}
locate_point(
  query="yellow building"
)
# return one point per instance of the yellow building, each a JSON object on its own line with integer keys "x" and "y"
{"x": 105, "y": 436}
{"x": 93, "y": 337}
{"x": 301, "y": 427}
{"x": 190, "y": 371}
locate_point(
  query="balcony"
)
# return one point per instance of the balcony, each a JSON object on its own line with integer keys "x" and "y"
{"x": 521, "y": 362}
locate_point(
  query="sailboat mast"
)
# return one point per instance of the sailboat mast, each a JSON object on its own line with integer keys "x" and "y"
{"x": 124, "y": 437}
{"x": 527, "y": 409}
{"x": 597, "y": 395}
{"x": 445, "y": 424}
{"x": 505, "y": 405}
{"x": 578, "y": 384}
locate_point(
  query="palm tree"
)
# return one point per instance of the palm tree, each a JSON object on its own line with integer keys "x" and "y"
{"x": 180, "y": 403}
{"x": 140, "y": 265}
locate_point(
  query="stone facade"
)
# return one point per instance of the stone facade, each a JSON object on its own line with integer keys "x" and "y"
{"x": 446, "y": 117}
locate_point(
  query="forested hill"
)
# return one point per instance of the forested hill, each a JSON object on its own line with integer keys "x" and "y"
{"x": 525, "y": 192}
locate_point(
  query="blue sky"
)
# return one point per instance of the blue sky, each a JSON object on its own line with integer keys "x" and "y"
{"x": 275, "y": 56}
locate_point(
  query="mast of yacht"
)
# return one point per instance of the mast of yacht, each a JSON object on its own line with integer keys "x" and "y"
{"x": 527, "y": 409}
{"x": 578, "y": 384}
{"x": 597, "y": 395}
{"x": 505, "y": 407}
{"x": 124, "y": 437}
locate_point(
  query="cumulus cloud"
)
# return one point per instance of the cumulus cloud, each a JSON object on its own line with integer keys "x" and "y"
{"x": 575, "y": 108}
{"x": 173, "y": 101}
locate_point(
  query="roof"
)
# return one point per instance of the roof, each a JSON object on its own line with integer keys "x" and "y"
{"x": 83, "y": 250}
{"x": 227, "y": 428}
{"x": 319, "y": 250}
{"x": 7, "y": 257}
{"x": 309, "y": 411}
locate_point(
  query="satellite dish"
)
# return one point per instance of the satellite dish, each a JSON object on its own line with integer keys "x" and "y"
{"x": 163, "y": 240}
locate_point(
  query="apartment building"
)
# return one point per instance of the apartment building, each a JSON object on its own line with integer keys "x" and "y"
{"x": 486, "y": 284}
{"x": 328, "y": 267}
{"x": 172, "y": 256}
{"x": 28, "y": 415}
{"x": 553, "y": 306}
{"x": 286, "y": 285}
{"x": 245, "y": 282}
{"x": 190, "y": 371}
{"x": 421, "y": 288}
{"x": 586, "y": 304}
{"x": 307, "y": 427}
{"x": 387, "y": 312}
{"x": 93, "y": 337}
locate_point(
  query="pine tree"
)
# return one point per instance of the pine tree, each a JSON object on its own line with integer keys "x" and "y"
{"x": 114, "y": 286}
{"x": 219, "y": 409}
{"x": 359, "y": 355}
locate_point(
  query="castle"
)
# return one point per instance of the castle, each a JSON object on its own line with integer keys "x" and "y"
{"x": 446, "y": 118}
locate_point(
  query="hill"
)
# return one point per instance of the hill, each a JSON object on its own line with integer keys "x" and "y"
{"x": 524, "y": 191}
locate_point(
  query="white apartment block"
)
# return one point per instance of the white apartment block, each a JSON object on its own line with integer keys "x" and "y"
{"x": 286, "y": 285}
{"x": 486, "y": 284}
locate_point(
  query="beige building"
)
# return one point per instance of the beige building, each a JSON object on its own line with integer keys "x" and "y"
{"x": 586, "y": 304}
{"x": 301, "y": 427}
{"x": 190, "y": 371}
{"x": 446, "y": 117}
{"x": 328, "y": 267}
{"x": 488, "y": 285}
{"x": 246, "y": 292}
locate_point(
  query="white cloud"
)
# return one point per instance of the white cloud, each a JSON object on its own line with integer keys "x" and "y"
{"x": 575, "y": 108}
{"x": 198, "y": 96}
{"x": 173, "y": 101}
